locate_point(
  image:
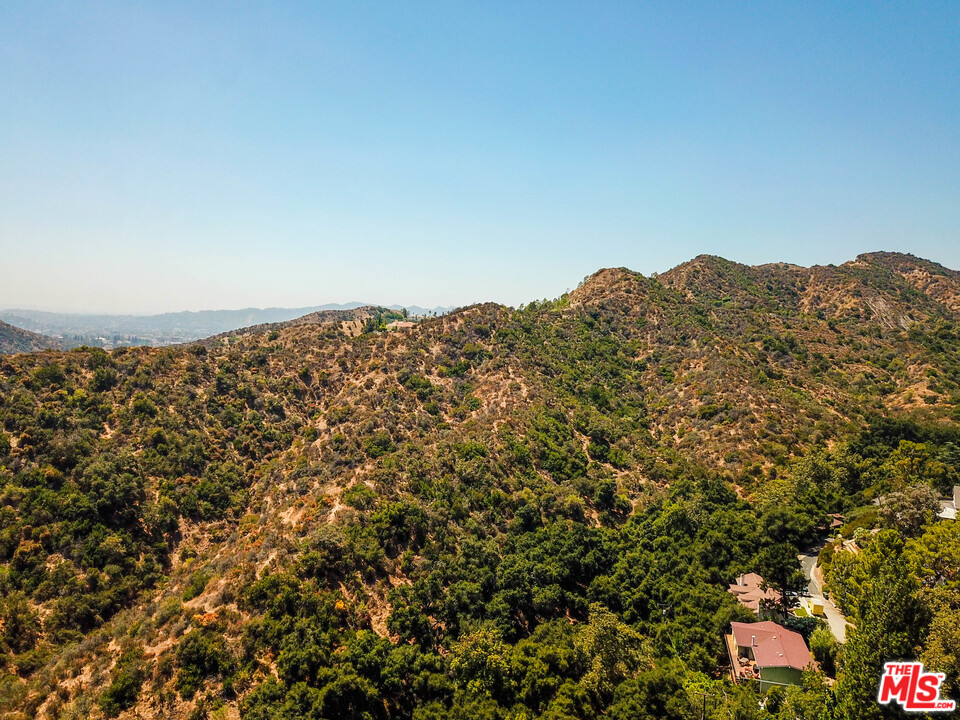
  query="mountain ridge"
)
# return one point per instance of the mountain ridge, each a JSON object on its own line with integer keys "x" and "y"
{"x": 166, "y": 328}
{"x": 14, "y": 339}
{"x": 184, "y": 515}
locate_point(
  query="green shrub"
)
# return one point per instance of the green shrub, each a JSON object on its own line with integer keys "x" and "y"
{"x": 196, "y": 585}
{"x": 201, "y": 654}
{"x": 125, "y": 687}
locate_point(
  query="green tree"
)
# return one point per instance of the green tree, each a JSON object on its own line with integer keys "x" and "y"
{"x": 480, "y": 664}
{"x": 124, "y": 688}
{"x": 811, "y": 700}
{"x": 655, "y": 694}
{"x": 201, "y": 654}
{"x": 942, "y": 651}
{"x": 888, "y": 621}
{"x": 824, "y": 648}
{"x": 919, "y": 464}
{"x": 614, "y": 651}
{"x": 19, "y": 625}
{"x": 780, "y": 568}
{"x": 937, "y": 554}
{"x": 909, "y": 510}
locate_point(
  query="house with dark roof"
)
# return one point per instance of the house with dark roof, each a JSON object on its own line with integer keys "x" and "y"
{"x": 767, "y": 652}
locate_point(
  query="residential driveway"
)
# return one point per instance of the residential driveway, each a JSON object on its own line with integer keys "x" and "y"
{"x": 835, "y": 619}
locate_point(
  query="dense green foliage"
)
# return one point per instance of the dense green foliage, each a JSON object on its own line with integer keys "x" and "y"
{"x": 528, "y": 513}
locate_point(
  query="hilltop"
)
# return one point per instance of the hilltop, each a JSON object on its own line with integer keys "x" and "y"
{"x": 322, "y": 514}
{"x": 166, "y": 328}
{"x": 17, "y": 340}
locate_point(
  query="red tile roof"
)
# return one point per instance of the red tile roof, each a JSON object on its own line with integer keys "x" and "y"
{"x": 773, "y": 645}
{"x": 748, "y": 591}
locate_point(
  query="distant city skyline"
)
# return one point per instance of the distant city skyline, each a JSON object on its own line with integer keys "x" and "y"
{"x": 185, "y": 157}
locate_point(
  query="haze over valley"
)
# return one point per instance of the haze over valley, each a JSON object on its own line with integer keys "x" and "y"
{"x": 109, "y": 331}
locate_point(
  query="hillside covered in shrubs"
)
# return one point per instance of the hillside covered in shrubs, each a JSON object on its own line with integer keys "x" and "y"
{"x": 497, "y": 513}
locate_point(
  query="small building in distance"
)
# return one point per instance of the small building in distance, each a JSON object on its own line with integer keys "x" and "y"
{"x": 836, "y": 521}
{"x": 949, "y": 508}
{"x": 401, "y": 325}
{"x": 750, "y": 593}
{"x": 768, "y": 653}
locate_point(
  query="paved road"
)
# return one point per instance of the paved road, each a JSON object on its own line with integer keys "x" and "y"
{"x": 835, "y": 619}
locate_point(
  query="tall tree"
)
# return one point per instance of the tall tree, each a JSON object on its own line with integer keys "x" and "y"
{"x": 910, "y": 509}
{"x": 888, "y": 621}
{"x": 780, "y": 568}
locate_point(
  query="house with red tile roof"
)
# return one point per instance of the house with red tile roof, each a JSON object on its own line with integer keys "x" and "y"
{"x": 767, "y": 652}
{"x": 750, "y": 593}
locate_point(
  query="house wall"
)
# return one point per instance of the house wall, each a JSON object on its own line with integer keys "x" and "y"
{"x": 783, "y": 675}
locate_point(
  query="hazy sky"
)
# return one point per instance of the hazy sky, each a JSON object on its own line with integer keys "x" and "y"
{"x": 202, "y": 155}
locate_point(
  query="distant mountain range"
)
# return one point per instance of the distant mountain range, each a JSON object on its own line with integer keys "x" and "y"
{"x": 73, "y": 330}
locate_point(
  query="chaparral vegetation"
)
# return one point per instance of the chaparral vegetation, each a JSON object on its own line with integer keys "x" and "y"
{"x": 497, "y": 513}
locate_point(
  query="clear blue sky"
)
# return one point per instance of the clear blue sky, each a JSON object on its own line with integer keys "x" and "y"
{"x": 201, "y": 155}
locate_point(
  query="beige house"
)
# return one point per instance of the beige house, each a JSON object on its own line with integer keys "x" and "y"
{"x": 751, "y": 595}
{"x": 401, "y": 325}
